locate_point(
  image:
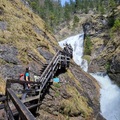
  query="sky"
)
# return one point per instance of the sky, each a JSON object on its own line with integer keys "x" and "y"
{"x": 63, "y": 1}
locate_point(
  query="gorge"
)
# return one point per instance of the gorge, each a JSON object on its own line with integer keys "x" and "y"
{"x": 110, "y": 93}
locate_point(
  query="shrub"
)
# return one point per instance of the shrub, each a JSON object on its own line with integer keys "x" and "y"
{"x": 107, "y": 66}
{"x": 87, "y": 46}
{"x": 75, "y": 21}
{"x": 116, "y": 26}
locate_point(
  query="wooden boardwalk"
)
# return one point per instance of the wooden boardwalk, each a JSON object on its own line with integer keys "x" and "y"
{"x": 20, "y": 108}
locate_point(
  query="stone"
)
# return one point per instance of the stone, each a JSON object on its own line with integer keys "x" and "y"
{"x": 3, "y": 25}
{"x": 47, "y": 55}
{"x": 11, "y": 71}
{"x": 9, "y": 54}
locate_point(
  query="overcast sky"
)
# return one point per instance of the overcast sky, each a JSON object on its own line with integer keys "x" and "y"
{"x": 63, "y": 1}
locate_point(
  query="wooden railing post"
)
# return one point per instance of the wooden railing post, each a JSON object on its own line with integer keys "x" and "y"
{"x": 7, "y": 108}
{"x": 24, "y": 113}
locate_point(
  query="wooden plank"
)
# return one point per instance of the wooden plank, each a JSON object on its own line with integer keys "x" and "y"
{"x": 2, "y": 106}
{"x": 24, "y": 113}
{"x": 3, "y": 98}
{"x": 30, "y": 107}
{"x": 30, "y": 99}
{"x": 21, "y": 82}
{"x": 49, "y": 65}
{"x": 33, "y": 106}
{"x": 42, "y": 86}
{"x": 8, "y": 111}
{"x": 5, "y": 115}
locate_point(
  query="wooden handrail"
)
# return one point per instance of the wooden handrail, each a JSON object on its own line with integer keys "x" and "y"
{"x": 24, "y": 113}
{"x": 49, "y": 65}
{"x": 21, "y": 82}
{"x": 61, "y": 59}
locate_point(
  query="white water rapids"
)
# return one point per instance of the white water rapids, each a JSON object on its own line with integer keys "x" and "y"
{"x": 110, "y": 93}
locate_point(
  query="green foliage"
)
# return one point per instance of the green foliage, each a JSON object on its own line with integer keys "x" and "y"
{"x": 66, "y": 12}
{"x": 112, "y": 3}
{"x": 75, "y": 21}
{"x": 86, "y": 10}
{"x": 87, "y": 46}
{"x": 101, "y": 9}
{"x": 54, "y": 13}
{"x": 116, "y": 26}
{"x": 57, "y": 85}
{"x": 107, "y": 66}
{"x": 57, "y": 94}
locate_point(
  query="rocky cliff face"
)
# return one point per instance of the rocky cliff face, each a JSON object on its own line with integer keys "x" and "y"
{"x": 67, "y": 29}
{"x": 75, "y": 98}
{"x": 105, "y": 44}
{"x": 26, "y": 41}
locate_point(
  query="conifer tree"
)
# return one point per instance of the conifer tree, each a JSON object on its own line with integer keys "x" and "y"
{"x": 67, "y": 13}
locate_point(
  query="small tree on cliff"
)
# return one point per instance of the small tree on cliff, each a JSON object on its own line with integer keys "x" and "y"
{"x": 75, "y": 21}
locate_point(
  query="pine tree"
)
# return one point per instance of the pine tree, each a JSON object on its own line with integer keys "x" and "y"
{"x": 67, "y": 13}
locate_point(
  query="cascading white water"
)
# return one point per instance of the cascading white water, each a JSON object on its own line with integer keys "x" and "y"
{"x": 110, "y": 93}
{"x": 77, "y": 45}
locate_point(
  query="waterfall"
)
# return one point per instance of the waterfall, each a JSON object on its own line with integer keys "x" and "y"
{"x": 110, "y": 93}
{"x": 77, "y": 45}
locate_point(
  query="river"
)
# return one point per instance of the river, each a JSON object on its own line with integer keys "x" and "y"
{"x": 110, "y": 93}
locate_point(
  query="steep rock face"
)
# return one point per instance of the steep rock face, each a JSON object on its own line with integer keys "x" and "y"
{"x": 75, "y": 97}
{"x": 67, "y": 29}
{"x": 26, "y": 41}
{"x": 106, "y": 58}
